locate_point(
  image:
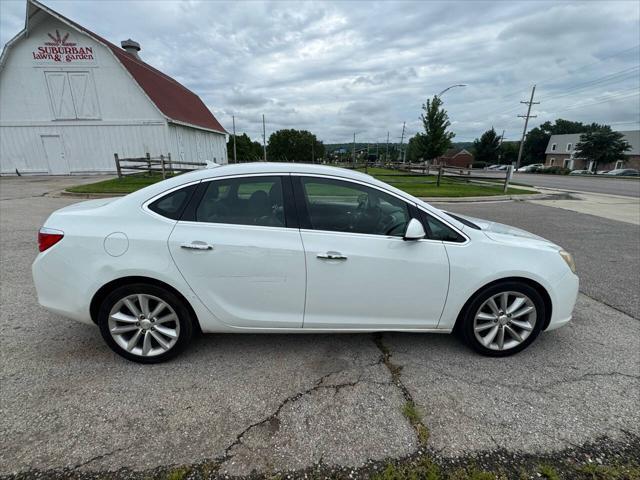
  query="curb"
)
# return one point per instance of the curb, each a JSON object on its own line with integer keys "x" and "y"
{"x": 64, "y": 193}
{"x": 499, "y": 198}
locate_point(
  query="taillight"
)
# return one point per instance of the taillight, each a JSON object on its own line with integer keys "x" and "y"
{"x": 48, "y": 237}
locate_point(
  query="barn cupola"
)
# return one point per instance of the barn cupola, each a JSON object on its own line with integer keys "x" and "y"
{"x": 131, "y": 47}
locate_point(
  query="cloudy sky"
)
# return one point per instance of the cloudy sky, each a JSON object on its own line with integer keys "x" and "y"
{"x": 336, "y": 68}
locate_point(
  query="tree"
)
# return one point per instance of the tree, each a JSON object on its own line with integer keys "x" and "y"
{"x": 435, "y": 140}
{"x": 291, "y": 145}
{"x": 415, "y": 148}
{"x": 602, "y": 146}
{"x": 246, "y": 150}
{"x": 509, "y": 152}
{"x": 487, "y": 149}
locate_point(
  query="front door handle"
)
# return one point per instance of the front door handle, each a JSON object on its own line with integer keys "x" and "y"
{"x": 331, "y": 256}
{"x": 196, "y": 245}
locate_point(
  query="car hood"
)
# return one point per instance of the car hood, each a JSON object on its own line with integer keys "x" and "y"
{"x": 500, "y": 232}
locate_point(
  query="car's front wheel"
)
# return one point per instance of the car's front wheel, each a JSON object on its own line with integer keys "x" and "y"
{"x": 145, "y": 323}
{"x": 503, "y": 319}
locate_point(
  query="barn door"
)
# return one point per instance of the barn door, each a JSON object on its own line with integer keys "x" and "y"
{"x": 55, "y": 155}
{"x": 60, "y": 96}
{"x": 83, "y": 93}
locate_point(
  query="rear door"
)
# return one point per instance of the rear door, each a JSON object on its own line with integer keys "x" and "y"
{"x": 238, "y": 247}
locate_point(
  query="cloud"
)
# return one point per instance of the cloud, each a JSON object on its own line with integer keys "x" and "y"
{"x": 341, "y": 67}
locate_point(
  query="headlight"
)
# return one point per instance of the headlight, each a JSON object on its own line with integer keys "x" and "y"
{"x": 567, "y": 257}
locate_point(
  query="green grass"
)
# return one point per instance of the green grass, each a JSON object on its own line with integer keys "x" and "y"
{"x": 548, "y": 472}
{"x": 425, "y": 185}
{"x": 425, "y": 469}
{"x": 410, "y": 411}
{"x": 417, "y": 185}
{"x": 126, "y": 184}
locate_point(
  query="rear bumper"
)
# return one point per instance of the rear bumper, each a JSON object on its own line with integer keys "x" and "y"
{"x": 61, "y": 286}
{"x": 563, "y": 298}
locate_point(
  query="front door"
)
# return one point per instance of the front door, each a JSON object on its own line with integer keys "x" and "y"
{"x": 54, "y": 154}
{"x": 360, "y": 271}
{"x": 238, "y": 255}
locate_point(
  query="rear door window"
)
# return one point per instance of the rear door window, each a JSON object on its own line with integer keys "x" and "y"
{"x": 243, "y": 201}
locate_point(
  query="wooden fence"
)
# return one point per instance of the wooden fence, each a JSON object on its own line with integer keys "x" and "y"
{"x": 161, "y": 164}
{"x": 479, "y": 177}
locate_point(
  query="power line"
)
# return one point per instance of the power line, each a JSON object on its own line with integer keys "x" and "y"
{"x": 573, "y": 72}
{"x": 607, "y": 100}
{"x": 610, "y": 78}
{"x": 597, "y": 82}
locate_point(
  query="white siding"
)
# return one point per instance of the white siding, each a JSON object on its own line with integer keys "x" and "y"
{"x": 86, "y": 148}
{"x": 194, "y": 145}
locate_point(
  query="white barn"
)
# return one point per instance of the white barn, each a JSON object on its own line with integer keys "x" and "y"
{"x": 70, "y": 100}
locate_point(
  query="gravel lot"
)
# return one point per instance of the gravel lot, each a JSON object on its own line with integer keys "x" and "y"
{"x": 288, "y": 402}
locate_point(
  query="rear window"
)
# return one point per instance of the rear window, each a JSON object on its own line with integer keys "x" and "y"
{"x": 173, "y": 204}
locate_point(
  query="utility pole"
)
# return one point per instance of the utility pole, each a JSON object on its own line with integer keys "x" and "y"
{"x": 526, "y": 123}
{"x": 354, "y": 149}
{"x": 264, "y": 140}
{"x": 500, "y": 151}
{"x": 313, "y": 155}
{"x": 402, "y": 139}
{"x": 386, "y": 155}
{"x": 235, "y": 160}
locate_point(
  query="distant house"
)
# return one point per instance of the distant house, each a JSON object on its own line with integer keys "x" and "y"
{"x": 560, "y": 152}
{"x": 455, "y": 157}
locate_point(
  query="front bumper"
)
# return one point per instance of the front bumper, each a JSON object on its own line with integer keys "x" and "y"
{"x": 563, "y": 299}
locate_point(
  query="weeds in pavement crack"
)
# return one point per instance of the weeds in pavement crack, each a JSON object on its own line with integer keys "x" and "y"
{"x": 409, "y": 410}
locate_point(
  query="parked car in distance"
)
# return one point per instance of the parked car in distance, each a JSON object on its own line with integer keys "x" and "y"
{"x": 493, "y": 167}
{"x": 294, "y": 248}
{"x": 502, "y": 167}
{"x": 530, "y": 168}
{"x": 602, "y": 172}
{"x": 581, "y": 172}
{"x": 624, "y": 172}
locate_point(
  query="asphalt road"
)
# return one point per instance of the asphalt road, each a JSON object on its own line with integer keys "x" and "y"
{"x": 287, "y": 402}
{"x": 628, "y": 187}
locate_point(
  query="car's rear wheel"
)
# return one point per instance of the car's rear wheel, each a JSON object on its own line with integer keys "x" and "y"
{"x": 503, "y": 319}
{"x": 145, "y": 323}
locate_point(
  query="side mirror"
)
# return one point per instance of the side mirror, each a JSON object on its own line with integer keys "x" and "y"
{"x": 415, "y": 230}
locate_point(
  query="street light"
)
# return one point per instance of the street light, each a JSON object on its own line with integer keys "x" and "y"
{"x": 449, "y": 88}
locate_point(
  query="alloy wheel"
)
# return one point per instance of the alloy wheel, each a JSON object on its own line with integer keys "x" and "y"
{"x": 144, "y": 325}
{"x": 504, "y": 320}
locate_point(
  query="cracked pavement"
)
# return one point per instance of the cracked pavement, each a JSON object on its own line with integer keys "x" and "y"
{"x": 267, "y": 403}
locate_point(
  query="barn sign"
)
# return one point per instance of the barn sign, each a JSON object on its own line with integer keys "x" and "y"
{"x": 60, "y": 49}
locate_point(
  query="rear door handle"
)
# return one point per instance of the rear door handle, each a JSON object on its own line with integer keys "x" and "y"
{"x": 331, "y": 256}
{"x": 196, "y": 245}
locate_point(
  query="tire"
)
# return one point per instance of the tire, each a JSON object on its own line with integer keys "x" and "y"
{"x": 159, "y": 335}
{"x": 519, "y": 329}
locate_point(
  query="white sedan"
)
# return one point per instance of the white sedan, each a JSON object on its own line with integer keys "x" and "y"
{"x": 274, "y": 248}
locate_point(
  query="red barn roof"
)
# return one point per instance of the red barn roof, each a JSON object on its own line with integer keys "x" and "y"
{"x": 173, "y": 99}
